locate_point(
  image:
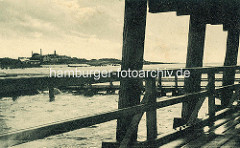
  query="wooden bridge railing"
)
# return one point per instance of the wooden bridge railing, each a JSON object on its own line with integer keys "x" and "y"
{"x": 149, "y": 104}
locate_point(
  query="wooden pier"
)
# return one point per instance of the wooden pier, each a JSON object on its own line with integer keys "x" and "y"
{"x": 189, "y": 130}
{"x": 217, "y": 113}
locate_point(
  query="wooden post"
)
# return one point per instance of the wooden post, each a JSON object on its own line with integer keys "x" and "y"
{"x": 211, "y": 96}
{"x": 196, "y": 37}
{"x": 51, "y": 92}
{"x": 162, "y": 91}
{"x": 175, "y": 91}
{"x": 111, "y": 90}
{"x": 14, "y": 98}
{"x": 160, "y": 82}
{"x": 235, "y": 97}
{"x": 230, "y": 60}
{"x": 149, "y": 97}
{"x": 132, "y": 58}
{"x": 151, "y": 115}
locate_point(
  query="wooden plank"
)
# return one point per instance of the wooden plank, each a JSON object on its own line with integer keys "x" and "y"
{"x": 233, "y": 142}
{"x": 218, "y": 140}
{"x": 165, "y": 138}
{"x": 183, "y": 140}
{"x": 173, "y": 135}
{"x": 209, "y": 139}
{"x": 222, "y": 140}
{"x": 132, "y": 58}
{"x": 232, "y": 130}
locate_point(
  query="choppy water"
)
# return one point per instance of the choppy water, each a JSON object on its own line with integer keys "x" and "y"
{"x": 28, "y": 111}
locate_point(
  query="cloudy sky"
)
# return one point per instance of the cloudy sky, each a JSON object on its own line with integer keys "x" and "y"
{"x": 93, "y": 29}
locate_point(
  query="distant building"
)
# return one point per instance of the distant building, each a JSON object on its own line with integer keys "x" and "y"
{"x": 27, "y": 60}
{"x": 39, "y": 58}
{"x": 23, "y": 59}
{"x": 36, "y": 56}
{"x": 50, "y": 58}
{"x": 54, "y": 58}
{"x": 34, "y": 62}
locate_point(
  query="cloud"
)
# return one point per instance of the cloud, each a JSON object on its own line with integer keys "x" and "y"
{"x": 54, "y": 24}
{"x": 93, "y": 29}
{"x": 58, "y": 18}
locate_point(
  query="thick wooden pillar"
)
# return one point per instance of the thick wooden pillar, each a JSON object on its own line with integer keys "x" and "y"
{"x": 230, "y": 60}
{"x": 132, "y": 58}
{"x": 196, "y": 38}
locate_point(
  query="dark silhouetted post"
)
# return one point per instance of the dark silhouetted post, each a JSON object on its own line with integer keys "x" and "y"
{"x": 51, "y": 92}
{"x": 230, "y": 60}
{"x": 151, "y": 115}
{"x": 132, "y": 58}
{"x": 196, "y": 38}
{"x": 211, "y": 96}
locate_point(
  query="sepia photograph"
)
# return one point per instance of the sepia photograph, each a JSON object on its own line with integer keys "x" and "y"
{"x": 119, "y": 73}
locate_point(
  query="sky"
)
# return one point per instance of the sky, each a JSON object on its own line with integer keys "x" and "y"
{"x": 93, "y": 29}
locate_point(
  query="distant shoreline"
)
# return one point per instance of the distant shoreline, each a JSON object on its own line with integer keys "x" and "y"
{"x": 8, "y": 63}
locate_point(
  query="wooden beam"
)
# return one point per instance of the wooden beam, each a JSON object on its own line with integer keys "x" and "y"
{"x": 132, "y": 58}
{"x": 230, "y": 60}
{"x": 151, "y": 115}
{"x": 211, "y": 96}
{"x": 196, "y": 37}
